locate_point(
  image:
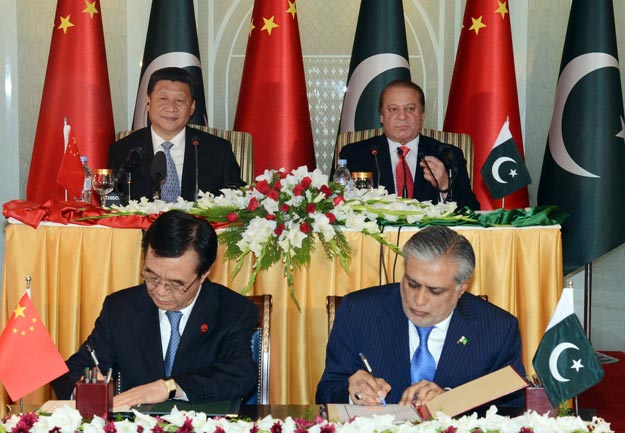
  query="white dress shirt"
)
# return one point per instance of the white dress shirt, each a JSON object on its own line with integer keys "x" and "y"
{"x": 436, "y": 340}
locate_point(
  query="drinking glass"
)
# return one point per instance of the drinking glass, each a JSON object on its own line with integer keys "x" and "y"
{"x": 103, "y": 183}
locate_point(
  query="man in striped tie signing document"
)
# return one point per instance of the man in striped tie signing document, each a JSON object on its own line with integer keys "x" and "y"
{"x": 408, "y": 342}
{"x": 176, "y": 336}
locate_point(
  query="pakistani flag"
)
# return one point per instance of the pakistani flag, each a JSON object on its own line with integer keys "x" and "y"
{"x": 504, "y": 170}
{"x": 171, "y": 41}
{"x": 379, "y": 56}
{"x": 565, "y": 361}
{"x": 583, "y": 165}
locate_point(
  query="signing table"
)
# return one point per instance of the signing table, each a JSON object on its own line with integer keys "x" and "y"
{"x": 73, "y": 268}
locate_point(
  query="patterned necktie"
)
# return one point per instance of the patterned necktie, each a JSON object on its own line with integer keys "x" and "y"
{"x": 174, "y": 339}
{"x": 423, "y": 366}
{"x": 400, "y": 175}
{"x": 171, "y": 188}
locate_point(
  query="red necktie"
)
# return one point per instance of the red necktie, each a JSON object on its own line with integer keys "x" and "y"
{"x": 400, "y": 175}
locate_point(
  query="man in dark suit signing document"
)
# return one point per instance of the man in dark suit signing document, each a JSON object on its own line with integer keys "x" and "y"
{"x": 406, "y": 162}
{"x": 193, "y": 157}
{"x": 421, "y": 336}
{"x": 177, "y": 335}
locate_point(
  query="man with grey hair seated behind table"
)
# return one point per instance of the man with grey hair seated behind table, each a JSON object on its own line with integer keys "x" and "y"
{"x": 421, "y": 336}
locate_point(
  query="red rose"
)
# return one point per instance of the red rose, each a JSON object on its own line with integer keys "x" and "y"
{"x": 278, "y": 230}
{"x": 284, "y": 207}
{"x": 305, "y": 227}
{"x": 338, "y": 200}
{"x": 253, "y": 204}
{"x": 298, "y": 190}
{"x": 277, "y": 185}
{"x": 273, "y": 194}
{"x": 331, "y": 217}
{"x": 325, "y": 189}
{"x": 270, "y": 217}
{"x": 282, "y": 175}
{"x": 306, "y": 182}
{"x": 262, "y": 187}
{"x": 311, "y": 208}
{"x": 232, "y": 217}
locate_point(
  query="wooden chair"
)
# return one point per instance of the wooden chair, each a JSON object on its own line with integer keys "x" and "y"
{"x": 463, "y": 141}
{"x": 242, "y": 147}
{"x": 333, "y": 302}
{"x": 261, "y": 348}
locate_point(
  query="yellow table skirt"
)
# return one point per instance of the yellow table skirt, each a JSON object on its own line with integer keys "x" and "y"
{"x": 74, "y": 268}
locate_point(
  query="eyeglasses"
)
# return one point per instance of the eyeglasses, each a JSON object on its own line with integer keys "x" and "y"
{"x": 153, "y": 282}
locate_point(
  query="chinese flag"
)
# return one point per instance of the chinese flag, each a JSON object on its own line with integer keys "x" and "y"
{"x": 76, "y": 88}
{"x": 483, "y": 91}
{"x": 71, "y": 174}
{"x": 273, "y": 105}
{"x": 28, "y": 356}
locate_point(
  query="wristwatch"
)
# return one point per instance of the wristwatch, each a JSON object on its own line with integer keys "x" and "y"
{"x": 170, "y": 385}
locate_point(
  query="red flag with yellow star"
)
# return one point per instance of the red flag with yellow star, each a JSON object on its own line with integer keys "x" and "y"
{"x": 273, "y": 105}
{"x": 71, "y": 174}
{"x": 28, "y": 356}
{"x": 483, "y": 91}
{"x": 76, "y": 88}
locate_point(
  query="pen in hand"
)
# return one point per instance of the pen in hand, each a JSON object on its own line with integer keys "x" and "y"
{"x": 365, "y": 362}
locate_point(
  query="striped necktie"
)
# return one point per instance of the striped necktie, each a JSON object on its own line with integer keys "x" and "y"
{"x": 174, "y": 340}
{"x": 171, "y": 187}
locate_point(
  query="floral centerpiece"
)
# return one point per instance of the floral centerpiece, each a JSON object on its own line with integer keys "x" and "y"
{"x": 66, "y": 420}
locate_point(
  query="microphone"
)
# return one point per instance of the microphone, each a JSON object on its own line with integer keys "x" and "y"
{"x": 196, "y": 143}
{"x": 132, "y": 161}
{"x": 421, "y": 159}
{"x": 402, "y": 158}
{"x": 374, "y": 153}
{"x": 158, "y": 171}
{"x": 448, "y": 158}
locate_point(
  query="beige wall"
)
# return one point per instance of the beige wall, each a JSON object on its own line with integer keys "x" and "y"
{"x": 327, "y": 29}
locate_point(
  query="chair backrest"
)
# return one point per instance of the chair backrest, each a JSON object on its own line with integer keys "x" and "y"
{"x": 242, "y": 147}
{"x": 332, "y": 303}
{"x": 261, "y": 348}
{"x": 462, "y": 141}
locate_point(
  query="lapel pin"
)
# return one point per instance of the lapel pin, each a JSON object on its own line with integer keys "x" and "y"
{"x": 204, "y": 328}
{"x": 462, "y": 340}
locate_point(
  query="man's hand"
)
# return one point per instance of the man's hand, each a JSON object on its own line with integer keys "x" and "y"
{"x": 153, "y": 392}
{"x": 420, "y": 393}
{"x": 438, "y": 173}
{"x": 367, "y": 390}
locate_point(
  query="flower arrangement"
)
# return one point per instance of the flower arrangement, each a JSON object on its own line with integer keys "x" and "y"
{"x": 68, "y": 420}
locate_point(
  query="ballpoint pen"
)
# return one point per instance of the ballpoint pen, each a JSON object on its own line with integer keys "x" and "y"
{"x": 365, "y": 362}
{"x": 95, "y": 358}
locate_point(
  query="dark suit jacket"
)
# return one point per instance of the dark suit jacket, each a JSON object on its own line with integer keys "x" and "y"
{"x": 212, "y": 365}
{"x": 359, "y": 158}
{"x": 372, "y": 322}
{"x": 217, "y": 166}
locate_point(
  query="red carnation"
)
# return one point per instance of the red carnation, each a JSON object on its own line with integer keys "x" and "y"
{"x": 305, "y": 227}
{"x": 277, "y": 185}
{"x": 270, "y": 217}
{"x": 253, "y": 204}
{"x": 325, "y": 189}
{"x": 338, "y": 200}
{"x": 284, "y": 207}
{"x": 262, "y": 186}
{"x": 273, "y": 194}
{"x": 232, "y": 217}
{"x": 278, "y": 230}
{"x": 331, "y": 217}
{"x": 311, "y": 208}
{"x": 298, "y": 190}
{"x": 306, "y": 182}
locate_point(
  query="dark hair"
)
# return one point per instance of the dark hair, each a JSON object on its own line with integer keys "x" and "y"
{"x": 434, "y": 242}
{"x": 173, "y": 74}
{"x": 175, "y": 232}
{"x": 405, "y": 84}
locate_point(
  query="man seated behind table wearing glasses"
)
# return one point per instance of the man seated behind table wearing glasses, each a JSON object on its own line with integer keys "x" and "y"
{"x": 133, "y": 334}
{"x": 170, "y": 105}
{"x": 421, "y": 336}
{"x": 423, "y": 176}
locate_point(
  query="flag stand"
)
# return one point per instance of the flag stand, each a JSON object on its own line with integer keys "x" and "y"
{"x": 21, "y": 405}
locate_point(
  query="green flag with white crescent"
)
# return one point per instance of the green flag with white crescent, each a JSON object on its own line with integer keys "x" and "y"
{"x": 565, "y": 361}
{"x": 379, "y": 56}
{"x": 582, "y": 170}
{"x": 171, "y": 41}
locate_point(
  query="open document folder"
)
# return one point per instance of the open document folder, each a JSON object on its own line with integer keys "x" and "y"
{"x": 453, "y": 402}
